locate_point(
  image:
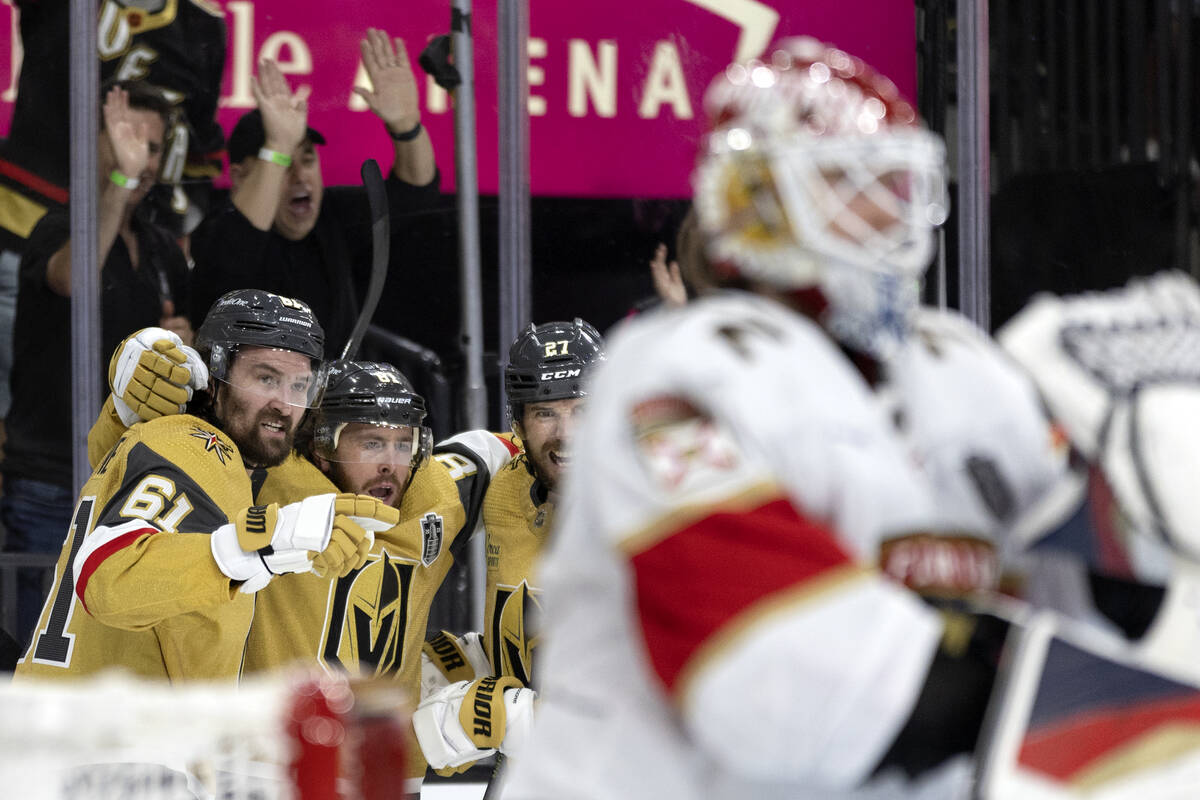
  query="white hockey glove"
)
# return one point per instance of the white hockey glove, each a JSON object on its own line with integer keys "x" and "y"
{"x": 1120, "y": 370}
{"x": 467, "y": 721}
{"x": 153, "y": 374}
{"x": 326, "y": 534}
{"x": 447, "y": 659}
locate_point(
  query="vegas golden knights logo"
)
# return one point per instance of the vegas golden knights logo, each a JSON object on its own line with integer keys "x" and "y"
{"x": 368, "y": 618}
{"x": 514, "y": 636}
{"x": 431, "y": 538}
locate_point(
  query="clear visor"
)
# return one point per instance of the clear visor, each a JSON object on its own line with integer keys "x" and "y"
{"x": 284, "y": 376}
{"x": 374, "y": 443}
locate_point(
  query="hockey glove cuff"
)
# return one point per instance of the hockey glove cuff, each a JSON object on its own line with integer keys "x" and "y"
{"x": 447, "y": 659}
{"x": 465, "y": 722}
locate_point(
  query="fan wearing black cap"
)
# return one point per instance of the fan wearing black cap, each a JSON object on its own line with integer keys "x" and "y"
{"x": 283, "y": 231}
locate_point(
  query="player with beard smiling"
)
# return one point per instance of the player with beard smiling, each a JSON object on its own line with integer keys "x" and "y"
{"x": 167, "y": 546}
{"x": 544, "y": 380}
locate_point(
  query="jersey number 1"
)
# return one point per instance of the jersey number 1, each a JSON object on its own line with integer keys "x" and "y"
{"x": 53, "y": 641}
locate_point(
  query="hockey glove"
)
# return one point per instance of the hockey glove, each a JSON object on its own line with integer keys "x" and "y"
{"x": 153, "y": 374}
{"x": 465, "y": 722}
{"x": 358, "y": 518}
{"x": 265, "y": 541}
{"x": 447, "y": 659}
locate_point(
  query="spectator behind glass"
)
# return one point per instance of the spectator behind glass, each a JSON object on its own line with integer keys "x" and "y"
{"x": 143, "y": 278}
{"x": 282, "y": 231}
{"x": 179, "y": 46}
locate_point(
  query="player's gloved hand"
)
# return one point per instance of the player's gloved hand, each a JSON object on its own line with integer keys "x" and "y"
{"x": 265, "y": 541}
{"x": 357, "y": 518}
{"x": 447, "y": 659}
{"x": 467, "y": 721}
{"x": 153, "y": 374}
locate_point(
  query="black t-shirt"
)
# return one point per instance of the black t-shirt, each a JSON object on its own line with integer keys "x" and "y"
{"x": 39, "y": 422}
{"x": 328, "y": 269}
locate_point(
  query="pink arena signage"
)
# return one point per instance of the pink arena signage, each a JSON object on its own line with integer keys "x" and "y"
{"x": 614, "y": 87}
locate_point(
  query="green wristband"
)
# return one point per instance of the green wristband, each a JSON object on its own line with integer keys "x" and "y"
{"x": 275, "y": 157}
{"x": 124, "y": 181}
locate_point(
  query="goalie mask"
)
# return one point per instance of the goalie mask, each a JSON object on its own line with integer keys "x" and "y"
{"x": 550, "y": 362}
{"x": 378, "y": 396}
{"x": 257, "y": 318}
{"x": 817, "y": 175}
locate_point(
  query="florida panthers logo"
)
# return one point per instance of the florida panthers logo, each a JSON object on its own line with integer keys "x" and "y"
{"x": 368, "y": 615}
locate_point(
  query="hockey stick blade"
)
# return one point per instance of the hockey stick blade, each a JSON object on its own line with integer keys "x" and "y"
{"x": 380, "y": 243}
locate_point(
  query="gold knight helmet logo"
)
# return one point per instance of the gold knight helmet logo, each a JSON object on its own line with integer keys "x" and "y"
{"x": 516, "y": 634}
{"x": 368, "y": 617}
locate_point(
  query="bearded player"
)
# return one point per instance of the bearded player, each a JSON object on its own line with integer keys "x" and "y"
{"x": 545, "y": 382}
{"x": 366, "y": 432}
{"x": 168, "y": 547}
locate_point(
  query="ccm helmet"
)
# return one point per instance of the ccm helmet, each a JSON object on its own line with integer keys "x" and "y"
{"x": 371, "y": 393}
{"x": 258, "y": 318}
{"x": 817, "y": 174}
{"x": 550, "y": 362}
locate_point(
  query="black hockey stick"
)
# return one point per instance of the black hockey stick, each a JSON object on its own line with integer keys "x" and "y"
{"x": 495, "y": 779}
{"x": 380, "y": 242}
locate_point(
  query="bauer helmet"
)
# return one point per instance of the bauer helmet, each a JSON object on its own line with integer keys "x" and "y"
{"x": 550, "y": 361}
{"x": 816, "y": 174}
{"x": 370, "y": 393}
{"x": 258, "y": 318}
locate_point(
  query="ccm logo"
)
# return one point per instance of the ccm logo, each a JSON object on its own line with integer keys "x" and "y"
{"x": 562, "y": 373}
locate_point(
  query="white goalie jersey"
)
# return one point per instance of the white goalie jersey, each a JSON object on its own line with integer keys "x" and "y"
{"x": 717, "y": 625}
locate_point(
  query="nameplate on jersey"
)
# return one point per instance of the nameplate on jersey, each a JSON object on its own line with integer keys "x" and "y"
{"x": 941, "y": 564}
{"x": 681, "y": 446}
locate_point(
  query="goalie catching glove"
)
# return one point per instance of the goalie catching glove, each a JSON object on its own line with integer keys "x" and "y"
{"x": 325, "y": 534}
{"x": 153, "y": 374}
{"x": 470, "y": 720}
{"x": 447, "y": 659}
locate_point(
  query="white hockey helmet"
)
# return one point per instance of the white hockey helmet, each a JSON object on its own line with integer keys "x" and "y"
{"x": 816, "y": 174}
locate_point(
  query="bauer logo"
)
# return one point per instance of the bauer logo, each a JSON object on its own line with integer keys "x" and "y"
{"x": 560, "y": 374}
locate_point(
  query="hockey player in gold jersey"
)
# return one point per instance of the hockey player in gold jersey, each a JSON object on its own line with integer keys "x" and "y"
{"x": 544, "y": 380}
{"x": 367, "y": 436}
{"x": 158, "y": 571}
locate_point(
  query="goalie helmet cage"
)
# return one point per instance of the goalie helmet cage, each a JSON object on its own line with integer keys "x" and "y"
{"x": 323, "y": 738}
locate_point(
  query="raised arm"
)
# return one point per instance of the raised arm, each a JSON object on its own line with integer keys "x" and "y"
{"x": 285, "y": 124}
{"x": 125, "y": 152}
{"x": 393, "y": 98}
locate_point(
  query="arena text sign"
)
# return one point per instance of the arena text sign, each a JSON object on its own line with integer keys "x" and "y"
{"x": 614, "y": 87}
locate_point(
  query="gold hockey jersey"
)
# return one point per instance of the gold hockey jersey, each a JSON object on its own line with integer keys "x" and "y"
{"x": 517, "y": 515}
{"x": 371, "y": 622}
{"x": 136, "y": 585}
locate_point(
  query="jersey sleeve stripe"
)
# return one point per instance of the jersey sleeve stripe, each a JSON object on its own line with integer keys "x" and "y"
{"x": 710, "y": 576}
{"x": 99, "y": 545}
